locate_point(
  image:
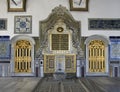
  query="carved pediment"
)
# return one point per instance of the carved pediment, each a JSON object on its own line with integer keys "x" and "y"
{"x": 58, "y": 13}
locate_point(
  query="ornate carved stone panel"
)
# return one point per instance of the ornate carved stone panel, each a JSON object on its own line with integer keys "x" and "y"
{"x": 59, "y": 13}
{"x": 59, "y": 41}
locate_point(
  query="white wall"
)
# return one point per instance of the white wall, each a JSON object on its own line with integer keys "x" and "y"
{"x": 40, "y": 9}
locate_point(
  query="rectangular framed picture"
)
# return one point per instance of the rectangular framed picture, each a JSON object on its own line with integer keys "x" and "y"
{"x": 79, "y": 5}
{"x": 3, "y": 24}
{"x": 23, "y": 25}
{"x": 16, "y": 5}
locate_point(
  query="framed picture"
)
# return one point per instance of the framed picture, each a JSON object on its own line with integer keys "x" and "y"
{"x": 79, "y": 5}
{"x": 23, "y": 24}
{"x": 16, "y": 5}
{"x": 3, "y": 24}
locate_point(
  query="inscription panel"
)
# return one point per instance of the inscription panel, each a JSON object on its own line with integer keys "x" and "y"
{"x": 104, "y": 24}
{"x": 60, "y": 41}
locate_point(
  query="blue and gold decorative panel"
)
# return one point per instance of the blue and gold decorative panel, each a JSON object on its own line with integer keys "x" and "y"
{"x": 4, "y": 47}
{"x": 3, "y": 24}
{"x": 114, "y": 48}
{"x": 23, "y": 24}
{"x": 103, "y": 24}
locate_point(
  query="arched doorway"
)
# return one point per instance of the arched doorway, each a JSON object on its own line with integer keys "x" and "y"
{"x": 22, "y": 60}
{"x": 97, "y": 56}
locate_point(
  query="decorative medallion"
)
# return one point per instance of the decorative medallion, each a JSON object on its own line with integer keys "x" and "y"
{"x": 60, "y": 29}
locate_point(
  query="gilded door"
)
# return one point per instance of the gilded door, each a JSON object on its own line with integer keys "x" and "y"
{"x": 22, "y": 56}
{"x": 97, "y": 56}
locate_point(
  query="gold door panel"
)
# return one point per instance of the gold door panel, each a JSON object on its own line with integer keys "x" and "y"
{"x": 96, "y": 56}
{"x": 22, "y": 56}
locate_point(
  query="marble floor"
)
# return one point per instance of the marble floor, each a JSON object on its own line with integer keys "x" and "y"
{"x": 49, "y": 84}
{"x": 89, "y": 84}
{"x": 18, "y": 84}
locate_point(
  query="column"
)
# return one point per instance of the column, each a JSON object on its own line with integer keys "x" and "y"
{"x": 78, "y": 74}
{"x": 41, "y": 69}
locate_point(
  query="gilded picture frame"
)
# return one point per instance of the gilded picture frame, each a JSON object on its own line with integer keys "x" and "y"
{"x": 78, "y": 5}
{"x": 16, "y": 5}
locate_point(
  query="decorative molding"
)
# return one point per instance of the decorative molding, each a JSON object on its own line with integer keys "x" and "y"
{"x": 97, "y": 37}
{"x": 103, "y": 24}
{"x": 23, "y": 25}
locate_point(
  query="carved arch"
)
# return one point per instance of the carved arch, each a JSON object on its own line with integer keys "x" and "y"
{"x": 60, "y": 12}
